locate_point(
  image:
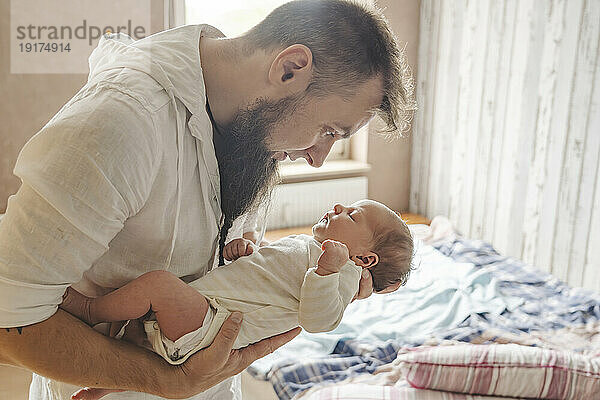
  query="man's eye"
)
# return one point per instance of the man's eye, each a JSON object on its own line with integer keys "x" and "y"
{"x": 352, "y": 218}
{"x": 330, "y": 132}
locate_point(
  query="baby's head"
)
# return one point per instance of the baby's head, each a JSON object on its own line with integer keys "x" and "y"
{"x": 376, "y": 238}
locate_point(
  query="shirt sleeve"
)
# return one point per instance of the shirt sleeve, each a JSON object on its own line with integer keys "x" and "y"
{"x": 89, "y": 169}
{"x": 323, "y": 299}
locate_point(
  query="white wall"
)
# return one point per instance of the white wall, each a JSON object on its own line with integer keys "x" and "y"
{"x": 305, "y": 203}
{"x": 507, "y": 140}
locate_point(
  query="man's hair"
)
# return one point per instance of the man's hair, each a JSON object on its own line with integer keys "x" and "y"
{"x": 350, "y": 43}
{"x": 393, "y": 244}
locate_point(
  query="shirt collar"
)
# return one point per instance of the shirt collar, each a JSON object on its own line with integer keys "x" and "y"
{"x": 182, "y": 64}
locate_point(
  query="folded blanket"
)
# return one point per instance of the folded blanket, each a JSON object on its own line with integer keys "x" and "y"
{"x": 444, "y": 371}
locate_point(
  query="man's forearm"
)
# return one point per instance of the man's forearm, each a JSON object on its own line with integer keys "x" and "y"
{"x": 65, "y": 349}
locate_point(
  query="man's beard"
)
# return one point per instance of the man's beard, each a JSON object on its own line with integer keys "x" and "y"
{"x": 248, "y": 173}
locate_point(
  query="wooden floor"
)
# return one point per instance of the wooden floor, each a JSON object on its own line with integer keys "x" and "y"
{"x": 14, "y": 382}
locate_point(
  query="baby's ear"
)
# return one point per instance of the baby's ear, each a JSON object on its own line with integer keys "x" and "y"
{"x": 366, "y": 260}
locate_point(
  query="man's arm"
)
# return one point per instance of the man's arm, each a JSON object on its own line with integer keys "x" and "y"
{"x": 66, "y": 349}
{"x": 60, "y": 346}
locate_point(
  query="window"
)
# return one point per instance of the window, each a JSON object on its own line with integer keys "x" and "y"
{"x": 232, "y": 17}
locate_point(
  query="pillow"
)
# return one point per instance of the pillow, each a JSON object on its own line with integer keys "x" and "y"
{"x": 503, "y": 370}
{"x": 354, "y": 391}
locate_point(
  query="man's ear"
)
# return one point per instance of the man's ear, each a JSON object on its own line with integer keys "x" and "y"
{"x": 366, "y": 260}
{"x": 292, "y": 68}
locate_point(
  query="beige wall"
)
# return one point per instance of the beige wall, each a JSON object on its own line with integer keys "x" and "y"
{"x": 511, "y": 154}
{"x": 30, "y": 100}
{"x": 389, "y": 178}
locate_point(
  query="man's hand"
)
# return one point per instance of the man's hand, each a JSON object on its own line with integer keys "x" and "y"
{"x": 218, "y": 362}
{"x": 333, "y": 258}
{"x": 365, "y": 288}
{"x": 237, "y": 248}
{"x": 391, "y": 288}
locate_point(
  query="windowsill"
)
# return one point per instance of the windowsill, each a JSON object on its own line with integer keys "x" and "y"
{"x": 276, "y": 234}
{"x": 291, "y": 173}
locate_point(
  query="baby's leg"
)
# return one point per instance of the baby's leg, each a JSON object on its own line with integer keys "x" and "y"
{"x": 179, "y": 308}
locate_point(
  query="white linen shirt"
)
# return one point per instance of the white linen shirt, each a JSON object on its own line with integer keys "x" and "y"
{"x": 121, "y": 181}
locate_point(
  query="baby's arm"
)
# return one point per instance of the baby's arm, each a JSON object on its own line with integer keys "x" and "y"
{"x": 179, "y": 308}
{"x": 324, "y": 295}
{"x": 237, "y": 248}
{"x": 253, "y": 237}
{"x": 333, "y": 258}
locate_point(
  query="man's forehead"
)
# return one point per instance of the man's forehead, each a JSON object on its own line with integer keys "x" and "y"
{"x": 371, "y": 92}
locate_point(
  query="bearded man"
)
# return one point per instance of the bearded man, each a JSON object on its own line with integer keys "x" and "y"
{"x": 155, "y": 162}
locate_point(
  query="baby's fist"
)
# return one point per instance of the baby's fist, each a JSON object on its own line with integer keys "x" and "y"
{"x": 333, "y": 258}
{"x": 237, "y": 248}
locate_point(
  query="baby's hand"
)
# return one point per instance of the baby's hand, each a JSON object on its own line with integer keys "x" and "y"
{"x": 237, "y": 248}
{"x": 333, "y": 258}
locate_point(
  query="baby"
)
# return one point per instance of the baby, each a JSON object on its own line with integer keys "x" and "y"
{"x": 297, "y": 280}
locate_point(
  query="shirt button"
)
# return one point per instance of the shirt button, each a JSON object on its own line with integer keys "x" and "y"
{"x": 155, "y": 325}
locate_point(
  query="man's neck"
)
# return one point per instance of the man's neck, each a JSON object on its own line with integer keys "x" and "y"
{"x": 218, "y": 139}
{"x": 230, "y": 79}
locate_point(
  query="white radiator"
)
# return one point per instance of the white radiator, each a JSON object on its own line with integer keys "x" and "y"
{"x": 301, "y": 204}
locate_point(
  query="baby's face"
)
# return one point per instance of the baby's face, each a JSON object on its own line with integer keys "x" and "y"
{"x": 353, "y": 225}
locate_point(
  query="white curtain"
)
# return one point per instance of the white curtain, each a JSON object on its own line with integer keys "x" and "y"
{"x": 507, "y": 139}
{"x": 174, "y": 13}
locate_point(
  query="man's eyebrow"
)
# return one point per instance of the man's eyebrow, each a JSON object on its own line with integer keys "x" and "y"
{"x": 346, "y": 131}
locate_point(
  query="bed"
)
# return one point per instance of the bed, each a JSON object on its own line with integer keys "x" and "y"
{"x": 470, "y": 324}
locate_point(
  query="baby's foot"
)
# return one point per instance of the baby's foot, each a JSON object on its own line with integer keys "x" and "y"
{"x": 92, "y": 393}
{"x": 78, "y": 305}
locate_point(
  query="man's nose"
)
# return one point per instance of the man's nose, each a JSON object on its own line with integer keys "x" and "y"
{"x": 338, "y": 208}
{"x": 319, "y": 152}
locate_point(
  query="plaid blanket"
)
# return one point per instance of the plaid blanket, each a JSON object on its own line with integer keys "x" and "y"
{"x": 552, "y": 315}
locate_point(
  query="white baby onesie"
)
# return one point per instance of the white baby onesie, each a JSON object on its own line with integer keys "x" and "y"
{"x": 276, "y": 288}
